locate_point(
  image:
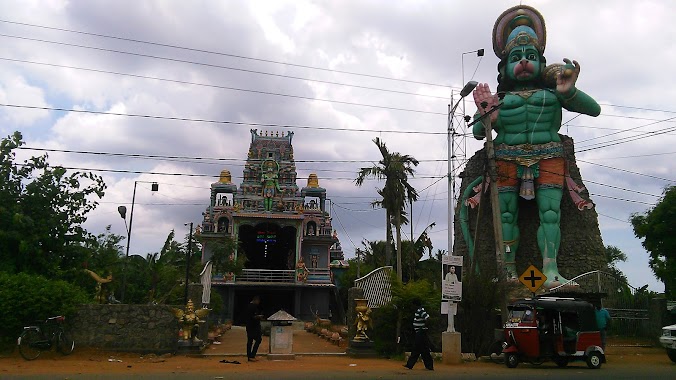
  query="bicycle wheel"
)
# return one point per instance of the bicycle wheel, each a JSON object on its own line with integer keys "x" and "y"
{"x": 495, "y": 352}
{"x": 64, "y": 343}
{"x": 28, "y": 344}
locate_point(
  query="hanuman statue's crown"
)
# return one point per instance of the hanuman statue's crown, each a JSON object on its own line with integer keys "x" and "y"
{"x": 522, "y": 36}
{"x": 519, "y": 26}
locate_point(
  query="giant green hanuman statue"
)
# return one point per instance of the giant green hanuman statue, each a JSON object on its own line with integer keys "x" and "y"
{"x": 528, "y": 149}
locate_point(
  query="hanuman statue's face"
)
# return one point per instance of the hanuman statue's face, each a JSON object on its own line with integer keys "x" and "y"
{"x": 523, "y": 64}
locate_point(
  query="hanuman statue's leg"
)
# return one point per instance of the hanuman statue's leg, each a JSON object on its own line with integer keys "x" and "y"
{"x": 509, "y": 214}
{"x": 549, "y": 232}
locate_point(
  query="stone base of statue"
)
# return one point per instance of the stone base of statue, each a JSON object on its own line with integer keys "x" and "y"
{"x": 190, "y": 346}
{"x": 450, "y": 348}
{"x": 358, "y": 348}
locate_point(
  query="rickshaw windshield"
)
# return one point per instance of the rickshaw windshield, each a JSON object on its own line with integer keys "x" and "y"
{"x": 521, "y": 314}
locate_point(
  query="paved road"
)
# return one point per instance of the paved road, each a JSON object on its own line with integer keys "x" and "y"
{"x": 623, "y": 363}
{"x": 661, "y": 370}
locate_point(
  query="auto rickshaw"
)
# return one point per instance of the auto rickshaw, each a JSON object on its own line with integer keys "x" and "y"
{"x": 552, "y": 328}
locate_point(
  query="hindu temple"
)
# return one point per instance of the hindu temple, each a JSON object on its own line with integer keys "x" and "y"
{"x": 283, "y": 232}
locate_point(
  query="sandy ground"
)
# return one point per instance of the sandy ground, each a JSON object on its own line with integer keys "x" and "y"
{"x": 92, "y": 361}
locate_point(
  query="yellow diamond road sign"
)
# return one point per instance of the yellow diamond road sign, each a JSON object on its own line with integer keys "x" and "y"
{"x": 533, "y": 278}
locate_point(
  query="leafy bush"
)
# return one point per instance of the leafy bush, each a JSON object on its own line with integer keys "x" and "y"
{"x": 479, "y": 310}
{"x": 402, "y": 309}
{"x": 26, "y": 298}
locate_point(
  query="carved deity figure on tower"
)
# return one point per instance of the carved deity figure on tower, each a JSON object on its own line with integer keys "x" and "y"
{"x": 269, "y": 177}
{"x": 528, "y": 149}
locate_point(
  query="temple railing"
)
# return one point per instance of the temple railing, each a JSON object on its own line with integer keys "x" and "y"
{"x": 315, "y": 276}
{"x": 319, "y": 276}
{"x": 267, "y": 275}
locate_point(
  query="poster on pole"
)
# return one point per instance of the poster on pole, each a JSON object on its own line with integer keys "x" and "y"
{"x": 451, "y": 288}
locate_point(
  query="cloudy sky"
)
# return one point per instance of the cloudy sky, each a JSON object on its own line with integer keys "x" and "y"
{"x": 199, "y": 75}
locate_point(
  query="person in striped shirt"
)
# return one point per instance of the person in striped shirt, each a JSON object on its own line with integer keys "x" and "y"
{"x": 421, "y": 346}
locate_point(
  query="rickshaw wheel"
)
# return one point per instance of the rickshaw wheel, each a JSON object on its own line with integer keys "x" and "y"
{"x": 511, "y": 360}
{"x": 537, "y": 361}
{"x": 594, "y": 360}
{"x": 495, "y": 352}
{"x": 671, "y": 352}
{"x": 561, "y": 362}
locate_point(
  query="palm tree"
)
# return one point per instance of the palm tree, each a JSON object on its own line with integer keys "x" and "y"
{"x": 395, "y": 168}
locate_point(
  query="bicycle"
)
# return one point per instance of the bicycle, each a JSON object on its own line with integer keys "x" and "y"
{"x": 43, "y": 336}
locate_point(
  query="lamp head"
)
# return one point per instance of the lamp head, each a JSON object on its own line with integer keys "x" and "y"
{"x": 468, "y": 88}
{"x": 123, "y": 211}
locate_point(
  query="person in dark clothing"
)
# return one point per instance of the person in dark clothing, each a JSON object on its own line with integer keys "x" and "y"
{"x": 253, "y": 328}
{"x": 421, "y": 345}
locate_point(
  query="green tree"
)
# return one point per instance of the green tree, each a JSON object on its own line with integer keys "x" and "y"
{"x": 613, "y": 256}
{"x": 222, "y": 257}
{"x": 395, "y": 169}
{"x": 42, "y": 209}
{"x": 103, "y": 255}
{"x": 396, "y": 318}
{"x": 372, "y": 255}
{"x": 164, "y": 269}
{"x": 657, "y": 228}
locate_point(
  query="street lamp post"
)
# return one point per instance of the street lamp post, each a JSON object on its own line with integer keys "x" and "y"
{"x": 123, "y": 214}
{"x": 450, "y": 339}
{"x": 466, "y": 90}
{"x": 479, "y": 53}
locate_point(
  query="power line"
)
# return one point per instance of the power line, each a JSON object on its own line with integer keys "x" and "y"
{"x": 221, "y": 67}
{"x": 621, "y": 199}
{"x": 350, "y": 179}
{"x": 228, "y": 55}
{"x": 628, "y": 139}
{"x": 263, "y": 73}
{"x": 136, "y": 155}
{"x": 156, "y": 117}
{"x": 627, "y": 171}
{"x": 231, "y": 88}
{"x": 612, "y": 217}
{"x": 275, "y": 62}
{"x": 439, "y": 178}
{"x": 636, "y": 108}
{"x": 670, "y": 129}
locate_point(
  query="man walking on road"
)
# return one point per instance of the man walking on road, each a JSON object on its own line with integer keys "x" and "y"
{"x": 253, "y": 328}
{"x": 421, "y": 345}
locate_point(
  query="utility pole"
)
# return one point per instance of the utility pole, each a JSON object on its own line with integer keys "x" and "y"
{"x": 495, "y": 206}
{"x": 187, "y": 265}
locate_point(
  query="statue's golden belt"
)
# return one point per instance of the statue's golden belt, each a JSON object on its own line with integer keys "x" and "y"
{"x": 528, "y": 154}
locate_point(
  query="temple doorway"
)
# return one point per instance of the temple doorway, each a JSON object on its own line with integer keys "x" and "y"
{"x": 267, "y": 245}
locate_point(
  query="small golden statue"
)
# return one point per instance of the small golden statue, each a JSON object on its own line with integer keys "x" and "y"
{"x": 101, "y": 296}
{"x": 363, "y": 320}
{"x": 189, "y": 320}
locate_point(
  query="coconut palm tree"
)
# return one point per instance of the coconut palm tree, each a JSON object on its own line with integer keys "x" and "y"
{"x": 395, "y": 169}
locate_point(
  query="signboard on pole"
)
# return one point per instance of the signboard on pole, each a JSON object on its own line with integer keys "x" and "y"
{"x": 532, "y": 278}
{"x": 451, "y": 280}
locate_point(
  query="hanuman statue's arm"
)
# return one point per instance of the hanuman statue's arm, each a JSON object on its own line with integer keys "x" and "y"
{"x": 569, "y": 96}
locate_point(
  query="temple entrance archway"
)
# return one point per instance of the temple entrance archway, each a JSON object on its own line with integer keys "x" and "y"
{"x": 268, "y": 245}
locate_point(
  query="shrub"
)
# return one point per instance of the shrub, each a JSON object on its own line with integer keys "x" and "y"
{"x": 402, "y": 309}
{"x": 26, "y": 298}
{"x": 479, "y": 310}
